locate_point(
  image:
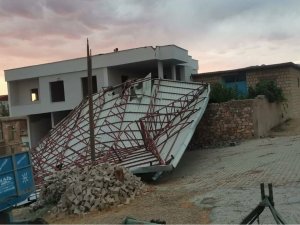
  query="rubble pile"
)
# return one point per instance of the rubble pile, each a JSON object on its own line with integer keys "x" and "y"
{"x": 97, "y": 187}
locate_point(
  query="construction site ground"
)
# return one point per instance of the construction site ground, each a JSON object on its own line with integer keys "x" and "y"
{"x": 218, "y": 185}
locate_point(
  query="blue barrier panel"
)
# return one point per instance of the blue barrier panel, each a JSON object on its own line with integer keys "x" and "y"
{"x": 16, "y": 179}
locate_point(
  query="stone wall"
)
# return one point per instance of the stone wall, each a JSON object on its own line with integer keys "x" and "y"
{"x": 236, "y": 120}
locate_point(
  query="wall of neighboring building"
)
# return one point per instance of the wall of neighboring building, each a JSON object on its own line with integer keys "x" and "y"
{"x": 294, "y": 82}
{"x": 284, "y": 79}
{"x": 236, "y": 120}
{"x": 12, "y": 135}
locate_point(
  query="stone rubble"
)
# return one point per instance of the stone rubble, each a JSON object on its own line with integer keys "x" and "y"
{"x": 80, "y": 190}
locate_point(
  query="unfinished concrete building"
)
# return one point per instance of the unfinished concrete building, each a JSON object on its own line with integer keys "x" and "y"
{"x": 46, "y": 93}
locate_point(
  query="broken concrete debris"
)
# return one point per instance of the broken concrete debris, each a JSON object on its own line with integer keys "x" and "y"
{"x": 97, "y": 187}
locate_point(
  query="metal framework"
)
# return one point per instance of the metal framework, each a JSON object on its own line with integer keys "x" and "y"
{"x": 144, "y": 125}
{"x": 266, "y": 201}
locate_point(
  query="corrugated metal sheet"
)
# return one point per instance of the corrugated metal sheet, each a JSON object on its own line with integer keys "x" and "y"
{"x": 144, "y": 125}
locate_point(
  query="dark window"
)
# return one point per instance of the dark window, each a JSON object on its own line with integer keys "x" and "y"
{"x": 234, "y": 78}
{"x": 34, "y": 94}
{"x": 84, "y": 82}
{"x": 236, "y": 81}
{"x": 124, "y": 79}
{"x": 57, "y": 91}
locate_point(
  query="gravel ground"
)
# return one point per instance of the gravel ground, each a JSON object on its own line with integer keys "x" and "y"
{"x": 217, "y": 186}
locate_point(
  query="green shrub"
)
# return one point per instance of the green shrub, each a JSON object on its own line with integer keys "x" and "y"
{"x": 220, "y": 93}
{"x": 267, "y": 88}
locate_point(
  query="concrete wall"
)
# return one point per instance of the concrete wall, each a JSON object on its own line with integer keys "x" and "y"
{"x": 21, "y": 104}
{"x": 266, "y": 116}
{"x": 115, "y": 75}
{"x": 21, "y": 94}
{"x": 236, "y": 120}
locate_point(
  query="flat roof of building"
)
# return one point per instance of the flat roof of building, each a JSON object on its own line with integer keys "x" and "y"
{"x": 100, "y": 54}
{"x": 107, "y": 60}
{"x": 249, "y": 68}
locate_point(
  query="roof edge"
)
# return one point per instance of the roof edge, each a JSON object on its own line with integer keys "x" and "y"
{"x": 249, "y": 68}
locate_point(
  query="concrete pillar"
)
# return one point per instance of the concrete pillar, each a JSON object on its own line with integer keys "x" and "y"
{"x": 28, "y": 130}
{"x": 173, "y": 68}
{"x": 182, "y": 73}
{"x": 52, "y": 120}
{"x": 105, "y": 77}
{"x": 160, "y": 69}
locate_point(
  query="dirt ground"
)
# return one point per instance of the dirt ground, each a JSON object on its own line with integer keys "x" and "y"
{"x": 218, "y": 185}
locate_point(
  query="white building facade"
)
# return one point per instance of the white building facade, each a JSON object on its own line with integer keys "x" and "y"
{"x": 46, "y": 93}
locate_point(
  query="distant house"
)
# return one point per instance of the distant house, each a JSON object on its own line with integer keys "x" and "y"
{"x": 4, "y": 111}
{"x": 46, "y": 93}
{"x": 286, "y": 76}
{"x": 13, "y": 135}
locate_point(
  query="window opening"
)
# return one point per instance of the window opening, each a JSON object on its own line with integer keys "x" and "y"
{"x": 34, "y": 94}
{"x": 57, "y": 91}
{"x": 84, "y": 83}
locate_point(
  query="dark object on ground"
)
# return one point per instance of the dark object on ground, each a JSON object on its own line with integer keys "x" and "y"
{"x": 6, "y": 218}
{"x": 38, "y": 221}
{"x": 266, "y": 201}
{"x": 130, "y": 220}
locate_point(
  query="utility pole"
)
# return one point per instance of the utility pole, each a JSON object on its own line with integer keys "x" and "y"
{"x": 90, "y": 97}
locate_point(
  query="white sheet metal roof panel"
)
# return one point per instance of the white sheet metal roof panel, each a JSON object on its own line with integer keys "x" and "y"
{"x": 146, "y": 127}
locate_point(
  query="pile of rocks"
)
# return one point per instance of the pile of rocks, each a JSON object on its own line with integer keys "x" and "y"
{"x": 90, "y": 188}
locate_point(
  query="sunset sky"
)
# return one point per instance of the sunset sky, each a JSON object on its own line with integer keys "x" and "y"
{"x": 221, "y": 34}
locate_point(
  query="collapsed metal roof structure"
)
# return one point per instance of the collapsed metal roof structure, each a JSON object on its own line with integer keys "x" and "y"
{"x": 144, "y": 125}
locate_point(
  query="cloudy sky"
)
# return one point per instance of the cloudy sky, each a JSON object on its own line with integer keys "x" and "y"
{"x": 221, "y": 34}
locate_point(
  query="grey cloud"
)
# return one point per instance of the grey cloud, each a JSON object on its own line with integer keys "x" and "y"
{"x": 214, "y": 26}
{"x": 66, "y": 7}
{"x": 30, "y": 9}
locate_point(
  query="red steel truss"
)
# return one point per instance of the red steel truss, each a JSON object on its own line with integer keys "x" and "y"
{"x": 136, "y": 124}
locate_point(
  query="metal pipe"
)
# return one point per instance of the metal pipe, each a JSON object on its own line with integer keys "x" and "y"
{"x": 90, "y": 94}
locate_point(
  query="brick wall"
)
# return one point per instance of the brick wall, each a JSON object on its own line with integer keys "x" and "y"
{"x": 286, "y": 79}
{"x": 294, "y": 90}
{"x": 236, "y": 120}
{"x": 12, "y": 133}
